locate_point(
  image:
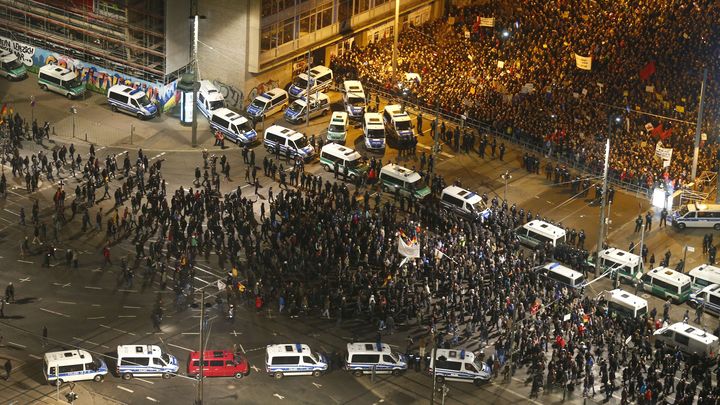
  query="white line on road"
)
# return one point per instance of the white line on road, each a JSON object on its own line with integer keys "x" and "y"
{"x": 25, "y": 261}
{"x": 279, "y": 396}
{"x": 17, "y": 344}
{"x": 95, "y": 317}
{"x": 152, "y": 399}
{"x": 12, "y": 212}
{"x": 89, "y": 287}
{"x": 190, "y": 333}
{"x": 130, "y": 307}
{"x": 53, "y": 312}
{"x": 317, "y": 385}
{"x": 127, "y": 316}
{"x": 255, "y": 369}
{"x": 143, "y": 380}
{"x": 125, "y": 389}
{"x": 242, "y": 348}
{"x": 105, "y": 326}
{"x": 35, "y": 357}
{"x": 132, "y": 291}
{"x": 67, "y": 302}
{"x": 180, "y": 347}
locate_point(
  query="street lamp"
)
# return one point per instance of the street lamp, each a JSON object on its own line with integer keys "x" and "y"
{"x": 73, "y": 111}
{"x": 507, "y": 177}
{"x": 196, "y": 19}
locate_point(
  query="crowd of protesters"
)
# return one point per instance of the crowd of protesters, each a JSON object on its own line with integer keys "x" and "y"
{"x": 636, "y": 47}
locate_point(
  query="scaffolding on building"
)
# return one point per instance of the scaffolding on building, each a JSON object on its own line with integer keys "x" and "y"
{"x": 126, "y": 36}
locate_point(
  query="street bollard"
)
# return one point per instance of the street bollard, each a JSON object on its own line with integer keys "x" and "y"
{"x": 372, "y": 376}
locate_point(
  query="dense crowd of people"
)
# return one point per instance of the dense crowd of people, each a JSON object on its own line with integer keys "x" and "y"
{"x": 646, "y": 57}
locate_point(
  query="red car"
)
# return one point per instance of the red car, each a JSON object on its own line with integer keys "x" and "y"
{"x": 218, "y": 363}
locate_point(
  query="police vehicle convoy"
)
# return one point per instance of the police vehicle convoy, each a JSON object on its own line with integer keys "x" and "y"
{"x": 73, "y": 365}
{"x": 267, "y": 104}
{"x": 398, "y": 124}
{"x": 293, "y": 359}
{"x": 318, "y": 104}
{"x": 367, "y": 358}
{"x": 354, "y": 98}
{"x": 321, "y": 78}
{"x": 131, "y": 101}
{"x": 209, "y": 98}
{"x": 458, "y": 365}
{"x": 145, "y": 361}
{"x": 60, "y": 80}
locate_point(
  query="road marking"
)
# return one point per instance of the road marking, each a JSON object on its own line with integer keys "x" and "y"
{"x": 25, "y": 261}
{"x": 190, "y": 333}
{"x": 242, "y": 348}
{"x": 130, "y": 307}
{"x": 180, "y": 347}
{"x": 105, "y": 326}
{"x": 254, "y": 367}
{"x": 151, "y": 398}
{"x": 87, "y": 341}
{"x": 127, "y": 316}
{"x": 14, "y": 213}
{"x": 235, "y": 333}
{"x": 279, "y": 396}
{"x": 17, "y": 344}
{"x": 62, "y": 285}
{"x": 125, "y": 389}
{"x": 67, "y": 302}
{"x": 317, "y": 385}
{"x": 95, "y": 317}
{"x": 143, "y": 380}
{"x": 35, "y": 357}
{"x": 89, "y": 287}
{"x": 95, "y": 305}
{"x": 53, "y": 312}
{"x": 25, "y": 280}
{"x": 129, "y": 291}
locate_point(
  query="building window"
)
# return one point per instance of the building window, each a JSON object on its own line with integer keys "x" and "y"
{"x": 361, "y": 6}
{"x": 307, "y": 23}
{"x": 325, "y": 15}
{"x": 268, "y": 37}
{"x": 287, "y": 31}
{"x": 380, "y": 2}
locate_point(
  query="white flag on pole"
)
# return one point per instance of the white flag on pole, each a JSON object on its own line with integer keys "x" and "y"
{"x": 411, "y": 249}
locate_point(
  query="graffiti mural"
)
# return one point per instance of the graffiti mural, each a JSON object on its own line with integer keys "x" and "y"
{"x": 100, "y": 79}
{"x": 233, "y": 96}
{"x": 262, "y": 88}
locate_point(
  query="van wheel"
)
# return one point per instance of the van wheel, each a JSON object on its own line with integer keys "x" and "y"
{"x": 317, "y": 373}
{"x": 396, "y": 372}
{"x": 43, "y": 87}
{"x": 239, "y": 375}
{"x": 327, "y": 168}
{"x": 127, "y": 376}
{"x": 278, "y": 375}
{"x": 717, "y": 227}
{"x": 478, "y": 382}
{"x": 99, "y": 378}
{"x": 358, "y": 373}
{"x": 58, "y": 382}
{"x": 114, "y": 108}
{"x": 139, "y": 115}
{"x": 439, "y": 379}
{"x": 69, "y": 96}
{"x": 681, "y": 226}
{"x": 165, "y": 376}
{"x": 324, "y": 113}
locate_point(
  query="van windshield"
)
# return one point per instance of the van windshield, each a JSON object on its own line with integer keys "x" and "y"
{"x": 300, "y": 82}
{"x": 418, "y": 185}
{"x": 13, "y": 64}
{"x": 143, "y": 101}
{"x": 165, "y": 357}
{"x": 244, "y": 126}
{"x": 356, "y": 101}
{"x": 96, "y": 364}
{"x": 259, "y": 103}
{"x": 71, "y": 84}
{"x": 214, "y": 105}
{"x": 352, "y": 164}
{"x": 296, "y": 108}
{"x": 376, "y": 133}
{"x": 337, "y": 128}
{"x": 684, "y": 210}
{"x": 402, "y": 125}
{"x": 301, "y": 143}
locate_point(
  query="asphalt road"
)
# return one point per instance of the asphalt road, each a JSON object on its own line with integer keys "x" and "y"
{"x": 90, "y": 308}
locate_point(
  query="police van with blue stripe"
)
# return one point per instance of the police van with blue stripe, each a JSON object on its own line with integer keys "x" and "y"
{"x": 366, "y": 358}
{"x": 209, "y": 98}
{"x": 293, "y": 359}
{"x": 458, "y": 365}
{"x": 73, "y": 365}
{"x": 145, "y": 361}
{"x": 131, "y": 101}
{"x": 233, "y": 126}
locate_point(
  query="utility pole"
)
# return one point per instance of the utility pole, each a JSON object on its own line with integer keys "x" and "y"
{"x": 199, "y": 399}
{"x": 436, "y": 137}
{"x": 307, "y": 95}
{"x": 195, "y": 18}
{"x": 506, "y": 176}
{"x": 434, "y": 375}
{"x": 396, "y": 33}
{"x": 698, "y": 127}
{"x": 602, "y": 207}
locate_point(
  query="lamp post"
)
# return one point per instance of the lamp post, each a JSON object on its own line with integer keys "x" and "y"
{"x": 73, "y": 111}
{"x": 195, "y": 76}
{"x": 32, "y": 108}
{"x": 396, "y": 33}
{"x": 507, "y": 177}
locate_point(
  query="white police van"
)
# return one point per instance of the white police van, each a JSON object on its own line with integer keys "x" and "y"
{"x": 354, "y": 98}
{"x": 318, "y": 103}
{"x": 704, "y": 275}
{"x": 73, "y": 365}
{"x": 697, "y": 216}
{"x": 287, "y": 142}
{"x": 321, "y": 79}
{"x": 337, "y": 129}
{"x": 333, "y": 154}
{"x": 564, "y": 275}
{"x": 234, "y": 126}
{"x": 690, "y": 339}
{"x": 131, "y": 101}
{"x": 373, "y": 131}
{"x": 60, "y": 80}
{"x": 458, "y": 365}
{"x": 398, "y": 124}
{"x": 464, "y": 202}
{"x": 627, "y": 265}
{"x": 11, "y": 67}
{"x": 364, "y": 358}
{"x": 397, "y": 179}
{"x": 537, "y": 232}
{"x": 209, "y": 98}
{"x": 293, "y": 359}
{"x": 624, "y": 304}
{"x": 709, "y": 297}
{"x": 145, "y": 361}
{"x": 268, "y": 103}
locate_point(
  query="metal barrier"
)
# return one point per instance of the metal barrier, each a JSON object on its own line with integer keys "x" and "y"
{"x": 513, "y": 136}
